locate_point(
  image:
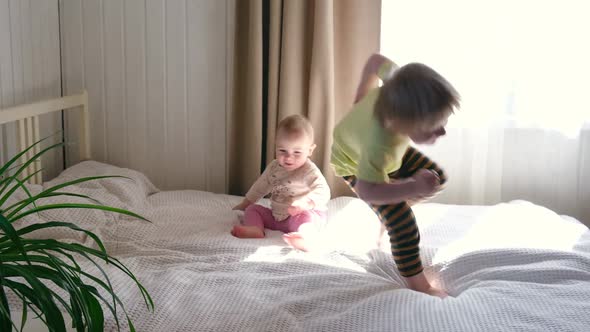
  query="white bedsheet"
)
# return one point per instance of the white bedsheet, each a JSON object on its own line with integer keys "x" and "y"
{"x": 509, "y": 267}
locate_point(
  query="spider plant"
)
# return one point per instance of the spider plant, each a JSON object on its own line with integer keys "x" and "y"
{"x": 29, "y": 266}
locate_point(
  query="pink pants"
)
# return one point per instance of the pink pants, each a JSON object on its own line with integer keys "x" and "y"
{"x": 260, "y": 216}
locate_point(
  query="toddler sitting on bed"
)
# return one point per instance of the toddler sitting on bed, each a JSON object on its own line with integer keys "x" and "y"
{"x": 299, "y": 192}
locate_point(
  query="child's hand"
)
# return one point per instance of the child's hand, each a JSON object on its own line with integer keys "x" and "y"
{"x": 427, "y": 182}
{"x": 294, "y": 210}
{"x": 300, "y": 205}
{"x": 243, "y": 205}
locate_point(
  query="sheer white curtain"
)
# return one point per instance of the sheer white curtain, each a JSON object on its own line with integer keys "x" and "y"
{"x": 523, "y": 70}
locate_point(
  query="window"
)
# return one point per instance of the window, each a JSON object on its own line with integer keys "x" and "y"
{"x": 521, "y": 63}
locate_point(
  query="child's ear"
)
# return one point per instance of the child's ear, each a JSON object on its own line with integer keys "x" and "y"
{"x": 311, "y": 148}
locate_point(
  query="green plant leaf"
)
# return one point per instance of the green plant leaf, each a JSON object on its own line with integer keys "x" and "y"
{"x": 3, "y": 179}
{"x": 14, "y": 159}
{"x": 5, "y": 321}
{"x": 53, "y": 245}
{"x": 41, "y": 262}
{"x": 27, "y": 294}
{"x": 54, "y": 224}
{"x": 23, "y": 317}
{"x": 60, "y": 266}
{"x": 131, "y": 327}
{"x": 80, "y": 180}
{"x": 73, "y": 284}
{"x": 24, "y": 203}
{"x": 11, "y": 233}
{"x": 13, "y": 167}
{"x": 62, "y": 275}
{"x": 49, "y": 274}
{"x": 47, "y": 192}
{"x": 96, "y": 314}
{"x": 107, "y": 286}
{"x": 19, "y": 184}
{"x": 46, "y": 301}
{"x": 27, "y": 163}
{"x": 12, "y": 218}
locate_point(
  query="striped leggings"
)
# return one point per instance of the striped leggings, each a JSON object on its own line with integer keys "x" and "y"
{"x": 399, "y": 220}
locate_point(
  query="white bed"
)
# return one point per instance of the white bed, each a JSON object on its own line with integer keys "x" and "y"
{"x": 509, "y": 267}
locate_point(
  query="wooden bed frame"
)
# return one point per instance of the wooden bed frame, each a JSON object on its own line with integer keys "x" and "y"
{"x": 27, "y": 118}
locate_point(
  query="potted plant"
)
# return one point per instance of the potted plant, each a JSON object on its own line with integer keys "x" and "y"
{"x": 28, "y": 265}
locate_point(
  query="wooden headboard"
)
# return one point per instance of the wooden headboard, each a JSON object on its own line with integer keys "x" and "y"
{"x": 27, "y": 118}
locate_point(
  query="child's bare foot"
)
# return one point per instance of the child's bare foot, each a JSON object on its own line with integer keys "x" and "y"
{"x": 296, "y": 241}
{"x": 419, "y": 283}
{"x": 247, "y": 232}
{"x": 436, "y": 292}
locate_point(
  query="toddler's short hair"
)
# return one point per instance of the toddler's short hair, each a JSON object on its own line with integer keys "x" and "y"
{"x": 295, "y": 124}
{"x": 415, "y": 94}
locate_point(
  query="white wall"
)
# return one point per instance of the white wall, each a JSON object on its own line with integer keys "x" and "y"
{"x": 30, "y": 68}
{"x": 157, "y": 77}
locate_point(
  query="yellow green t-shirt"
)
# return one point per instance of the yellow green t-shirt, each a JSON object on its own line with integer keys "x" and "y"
{"x": 362, "y": 147}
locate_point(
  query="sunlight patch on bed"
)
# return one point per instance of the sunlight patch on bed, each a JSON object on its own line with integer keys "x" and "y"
{"x": 352, "y": 226}
{"x": 519, "y": 225}
{"x": 268, "y": 254}
{"x": 280, "y": 254}
{"x": 429, "y": 214}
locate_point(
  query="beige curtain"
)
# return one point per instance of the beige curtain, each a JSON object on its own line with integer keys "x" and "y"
{"x": 245, "y": 120}
{"x": 316, "y": 51}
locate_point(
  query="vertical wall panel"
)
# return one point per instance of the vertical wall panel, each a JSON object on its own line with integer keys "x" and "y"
{"x": 91, "y": 13}
{"x": 135, "y": 88}
{"x": 7, "y": 33}
{"x": 48, "y": 55}
{"x": 207, "y": 59}
{"x": 115, "y": 106}
{"x": 72, "y": 68}
{"x": 157, "y": 76}
{"x": 197, "y": 68}
{"x": 30, "y": 69}
{"x": 176, "y": 97}
{"x": 156, "y": 90}
{"x": 26, "y": 51}
{"x": 17, "y": 87}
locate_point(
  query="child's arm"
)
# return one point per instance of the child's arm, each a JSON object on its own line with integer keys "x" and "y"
{"x": 371, "y": 74}
{"x": 243, "y": 205}
{"x": 320, "y": 191}
{"x": 258, "y": 190}
{"x": 423, "y": 183}
{"x": 318, "y": 196}
{"x": 300, "y": 205}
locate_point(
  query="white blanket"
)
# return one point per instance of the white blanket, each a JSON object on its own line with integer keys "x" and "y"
{"x": 509, "y": 267}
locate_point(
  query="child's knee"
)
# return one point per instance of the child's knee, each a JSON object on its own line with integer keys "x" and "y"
{"x": 251, "y": 208}
{"x": 254, "y": 210}
{"x": 302, "y": 218}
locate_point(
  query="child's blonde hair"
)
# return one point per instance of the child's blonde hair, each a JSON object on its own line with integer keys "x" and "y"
{"x": 295, "y": 124}
{"x": 416, "y": 95}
